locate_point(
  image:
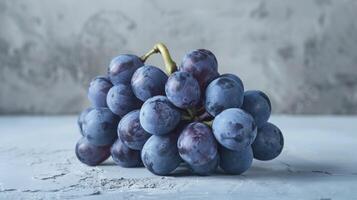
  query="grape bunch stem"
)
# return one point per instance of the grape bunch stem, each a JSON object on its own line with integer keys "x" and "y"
{"x": 170, "y": 65}
{"x": 208, "y": 123}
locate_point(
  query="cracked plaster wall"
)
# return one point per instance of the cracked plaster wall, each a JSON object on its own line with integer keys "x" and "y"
{"x": 302, "y": 53}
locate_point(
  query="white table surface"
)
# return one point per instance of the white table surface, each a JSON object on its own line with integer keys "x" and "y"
{"x": 37, "y": 161}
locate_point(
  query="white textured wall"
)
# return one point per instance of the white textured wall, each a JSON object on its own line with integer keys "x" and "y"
{"x": 302, "y": 53}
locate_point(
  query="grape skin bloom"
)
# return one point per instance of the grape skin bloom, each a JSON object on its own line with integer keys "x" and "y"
{"x": 236, "y": 162}
{"x": 98, "y": 90}
{"x": 234, "y": 129}
{"x": 258, "y": 105}
{"x": 196, "y": 144}
{"x": 130, "y": 131}
{"x": 207, "y": 168}
{"x": 148, "y": 81}
{"x": 221, "y": 94}
{"x": 121, "y": 100}
{"x": 183, "y": 90}
{"x": 90, "y": 154}
{"x": 122, "y": 68}
{"x": 81, "y": 119}
{"x": 160, "y": 154}
{"x": 269, "y": 142}
{"x": 159, "y": 116}
{"x": 235, "y": 78}
{"x": 100, "y": 126}
{"x": 124, "y": 156}
{"x": 202, "y": 64}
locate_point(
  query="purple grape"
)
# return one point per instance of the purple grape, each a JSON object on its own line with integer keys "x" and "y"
{"x": 235, "y": 162}
{"x": 130, "y": 131}
{"x": 269, "y": 142}
{"x": 90, "y": 154}
{"x": 207, "y": 168}
{"x": 122, "y": 68}
{"x": 148, "y": 81}
{"x": 196, "y": 144}
{"x": 202, "y": 64}
{"x": 98, "y": 90}
{"x": 234, "y": 129}
{"x": 124, "y": 156}
{"x": 221, "y": 94}
{"x": 121, "y": 100}
{"x": 159, "y": 116}
{"x": 257, "y": 104}
{"x": 100, "y": 126}
{"x": 160, "y": 155}
{"x": 183, "y": 90}
{"x": 234, "y": 77}
{"x": 81, "y": 118}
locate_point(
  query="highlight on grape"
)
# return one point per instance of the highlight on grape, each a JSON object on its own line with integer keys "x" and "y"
{"x": 142, "y": 116}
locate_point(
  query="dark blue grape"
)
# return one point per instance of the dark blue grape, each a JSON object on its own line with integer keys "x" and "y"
{"x": 148, "y": 81}
{"x": 202, "y": 64}
{"x": 124, "y": 156}
{"x": 98, "y": 90}
{"x": 122, "y": 68}
{"x": 100, "y": 127}
{"x": 81, "y": 118}
{"x": 221, "y": 94}
{"x": 130, "y": 131}
{"x": 269, "y": 142}
{"x": 121, "y": 100}
{"x": 234, "y": 129}
{"x": 196, "y": 144}
{"x": 90, "y": 154}
{"x": 257, "y": 104}
{"x": 236, "y": 162}
{"x": 207, "y": 168}
{"x": 182, "y": 90}
{"x": 159, "y": 116}
{"x": 160, "y": 154}
{"x": 234, "y": 77}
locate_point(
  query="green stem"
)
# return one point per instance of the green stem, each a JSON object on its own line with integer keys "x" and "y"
{"x": 208, "y": 123}
{"x": 186, "y": 117}
{"x": 203, "y": 116}
{"x": 170, "y": 65}
{"x": 192, "y": 113}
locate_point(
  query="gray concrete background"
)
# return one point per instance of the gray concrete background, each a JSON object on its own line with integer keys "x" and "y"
{"x": 303, "y": 54}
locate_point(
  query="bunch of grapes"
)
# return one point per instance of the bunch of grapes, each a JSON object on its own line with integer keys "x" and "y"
{"x": 142, "y": 116}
